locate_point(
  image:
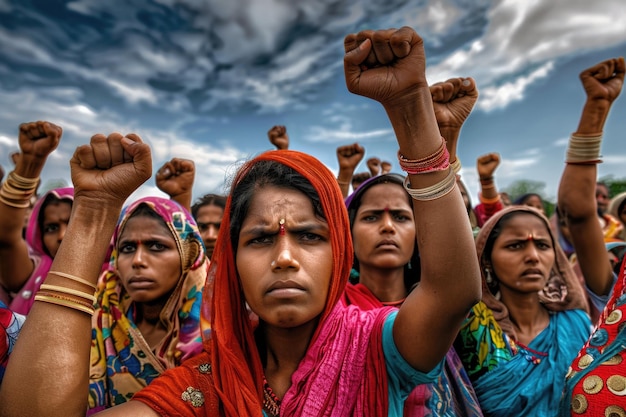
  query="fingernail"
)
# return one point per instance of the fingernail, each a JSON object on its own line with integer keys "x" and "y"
{"x": 466, "y": 82}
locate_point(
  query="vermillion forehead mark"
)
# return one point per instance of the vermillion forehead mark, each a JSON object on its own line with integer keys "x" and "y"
{"x": 386, "y": 208}
{"x": 281, "y": 225}
{"x": 530, "y": 237}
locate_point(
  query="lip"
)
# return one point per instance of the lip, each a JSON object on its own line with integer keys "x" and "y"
{"x": 285, "y": 289}
{"x": 140, "y": 282}
{"x": 387, "y": 243}
{"x": 531, "y": 273}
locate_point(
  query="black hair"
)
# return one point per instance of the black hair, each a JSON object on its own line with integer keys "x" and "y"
{"x": 208, "y": 200}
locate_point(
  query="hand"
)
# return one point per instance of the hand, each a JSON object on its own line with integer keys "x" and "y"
{"x": 385, "y": 167}
{"x": 176, "y": 177}
{"x": 38, "y": 140}
{"x": 349, "y": 156}
{"x": 110, "y": 168}
{"x": 605, "y": 80}
{"x": 453, "y": 101}
{"x": 385, "y": 65}
{"x": 373, "y": 164}
{"x": 278, "y": 137}
{"x": 486, "y": 165}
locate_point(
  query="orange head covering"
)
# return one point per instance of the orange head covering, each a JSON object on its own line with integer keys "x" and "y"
{"x": 237, "y": 369}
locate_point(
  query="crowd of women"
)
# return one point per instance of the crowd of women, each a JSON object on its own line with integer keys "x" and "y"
{"x": 292, "y": 296}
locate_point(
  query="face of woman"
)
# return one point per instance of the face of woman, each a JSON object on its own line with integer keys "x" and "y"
{"x": 56, "y": 216}
{"x": 383, "y": 232}
{"x": 534, "y": 201}
{"x": 285, "y": 270}
{"x": 148, "y": 261}
{"x": 523, "y": 254}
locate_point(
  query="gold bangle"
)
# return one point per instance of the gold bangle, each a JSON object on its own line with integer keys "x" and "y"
{"x": 22, "y": 182}
{"x": 64, "y": 290}
{"x": 14, "y": 204}
{"x": 73, "y": 278}
{"x": 74, "y": 305}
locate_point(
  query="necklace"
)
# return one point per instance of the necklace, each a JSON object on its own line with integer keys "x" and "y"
{"x": 271, "y": 403}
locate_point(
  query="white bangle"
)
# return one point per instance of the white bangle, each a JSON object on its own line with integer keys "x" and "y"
{"x": 435, "y": 191}
{"x": 584, "y": 149}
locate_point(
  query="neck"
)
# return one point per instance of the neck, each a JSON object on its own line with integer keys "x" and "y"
{"x": 527, "y": 314}
{"x": 386, "y": 284}
{"x": 284, "y": 349}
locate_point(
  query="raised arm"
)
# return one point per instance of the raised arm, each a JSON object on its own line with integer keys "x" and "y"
{"x": 576, "y": 195}
{"x": 453, "y": 101}
{"x": 48, "y": 374}
{"x": 389, "y": 66}
{"x": 175, "y": 178}
{"x": 37, "y": 141}
{"x": 348, "y": 157}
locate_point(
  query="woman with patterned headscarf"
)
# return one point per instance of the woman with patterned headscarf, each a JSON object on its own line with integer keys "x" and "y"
{"x": 517, "y": 343}
{"x": 147, "y": 310}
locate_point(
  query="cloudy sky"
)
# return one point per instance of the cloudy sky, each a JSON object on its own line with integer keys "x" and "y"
{"x": 206, "y": 79}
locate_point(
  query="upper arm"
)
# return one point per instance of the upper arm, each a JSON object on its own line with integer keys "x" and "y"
{"x": 592, "y": 255}
{"x": 16, "y": 265}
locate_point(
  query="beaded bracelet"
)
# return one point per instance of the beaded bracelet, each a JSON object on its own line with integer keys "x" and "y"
{"x": 584, "y": 149}
{"x": 433, "y": 192}
{"x": 437, "y": 161}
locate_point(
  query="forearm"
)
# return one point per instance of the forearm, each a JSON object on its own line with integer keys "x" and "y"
{"x": 440, "y": 223}
{"x": 54, "y": 346}
{"x": 184, "y": 199}
{"x": 451, "y": 135}
{"x": 344, "y": 178}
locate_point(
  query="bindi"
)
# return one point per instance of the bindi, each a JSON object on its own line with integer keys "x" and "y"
{"x": 281, "y": 227}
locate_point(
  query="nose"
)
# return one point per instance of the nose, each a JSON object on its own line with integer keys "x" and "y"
{"x": 139, "y": 257}
{"x": 387, "y": 223}
{"x": 285, "y": 257}
{"x": 211, "y": 233}
{"x": 532, "y": 253}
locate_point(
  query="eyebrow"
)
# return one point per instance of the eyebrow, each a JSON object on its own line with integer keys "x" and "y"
{"x": 274, "y": 229}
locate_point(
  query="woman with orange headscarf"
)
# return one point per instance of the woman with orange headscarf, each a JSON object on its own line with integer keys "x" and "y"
{"x": 284, "y": 250}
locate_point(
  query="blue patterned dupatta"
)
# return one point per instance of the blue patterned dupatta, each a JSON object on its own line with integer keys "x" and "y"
{"x": 511, "y": 379}
{"x": 515, "y": 380}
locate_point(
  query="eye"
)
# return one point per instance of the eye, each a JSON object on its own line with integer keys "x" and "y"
{"x": 50, "y": 228}
{"x": 543, "y": 245}
{"x": 515, "y": 245}
{"x": 399, "y": 217}
{"x": 310, "y": 237}
{"x": 157, "y": 246}
{"x": 127, "y": 248}
{"x": 261, "y": 240}
{"x": 369, "y": 218}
